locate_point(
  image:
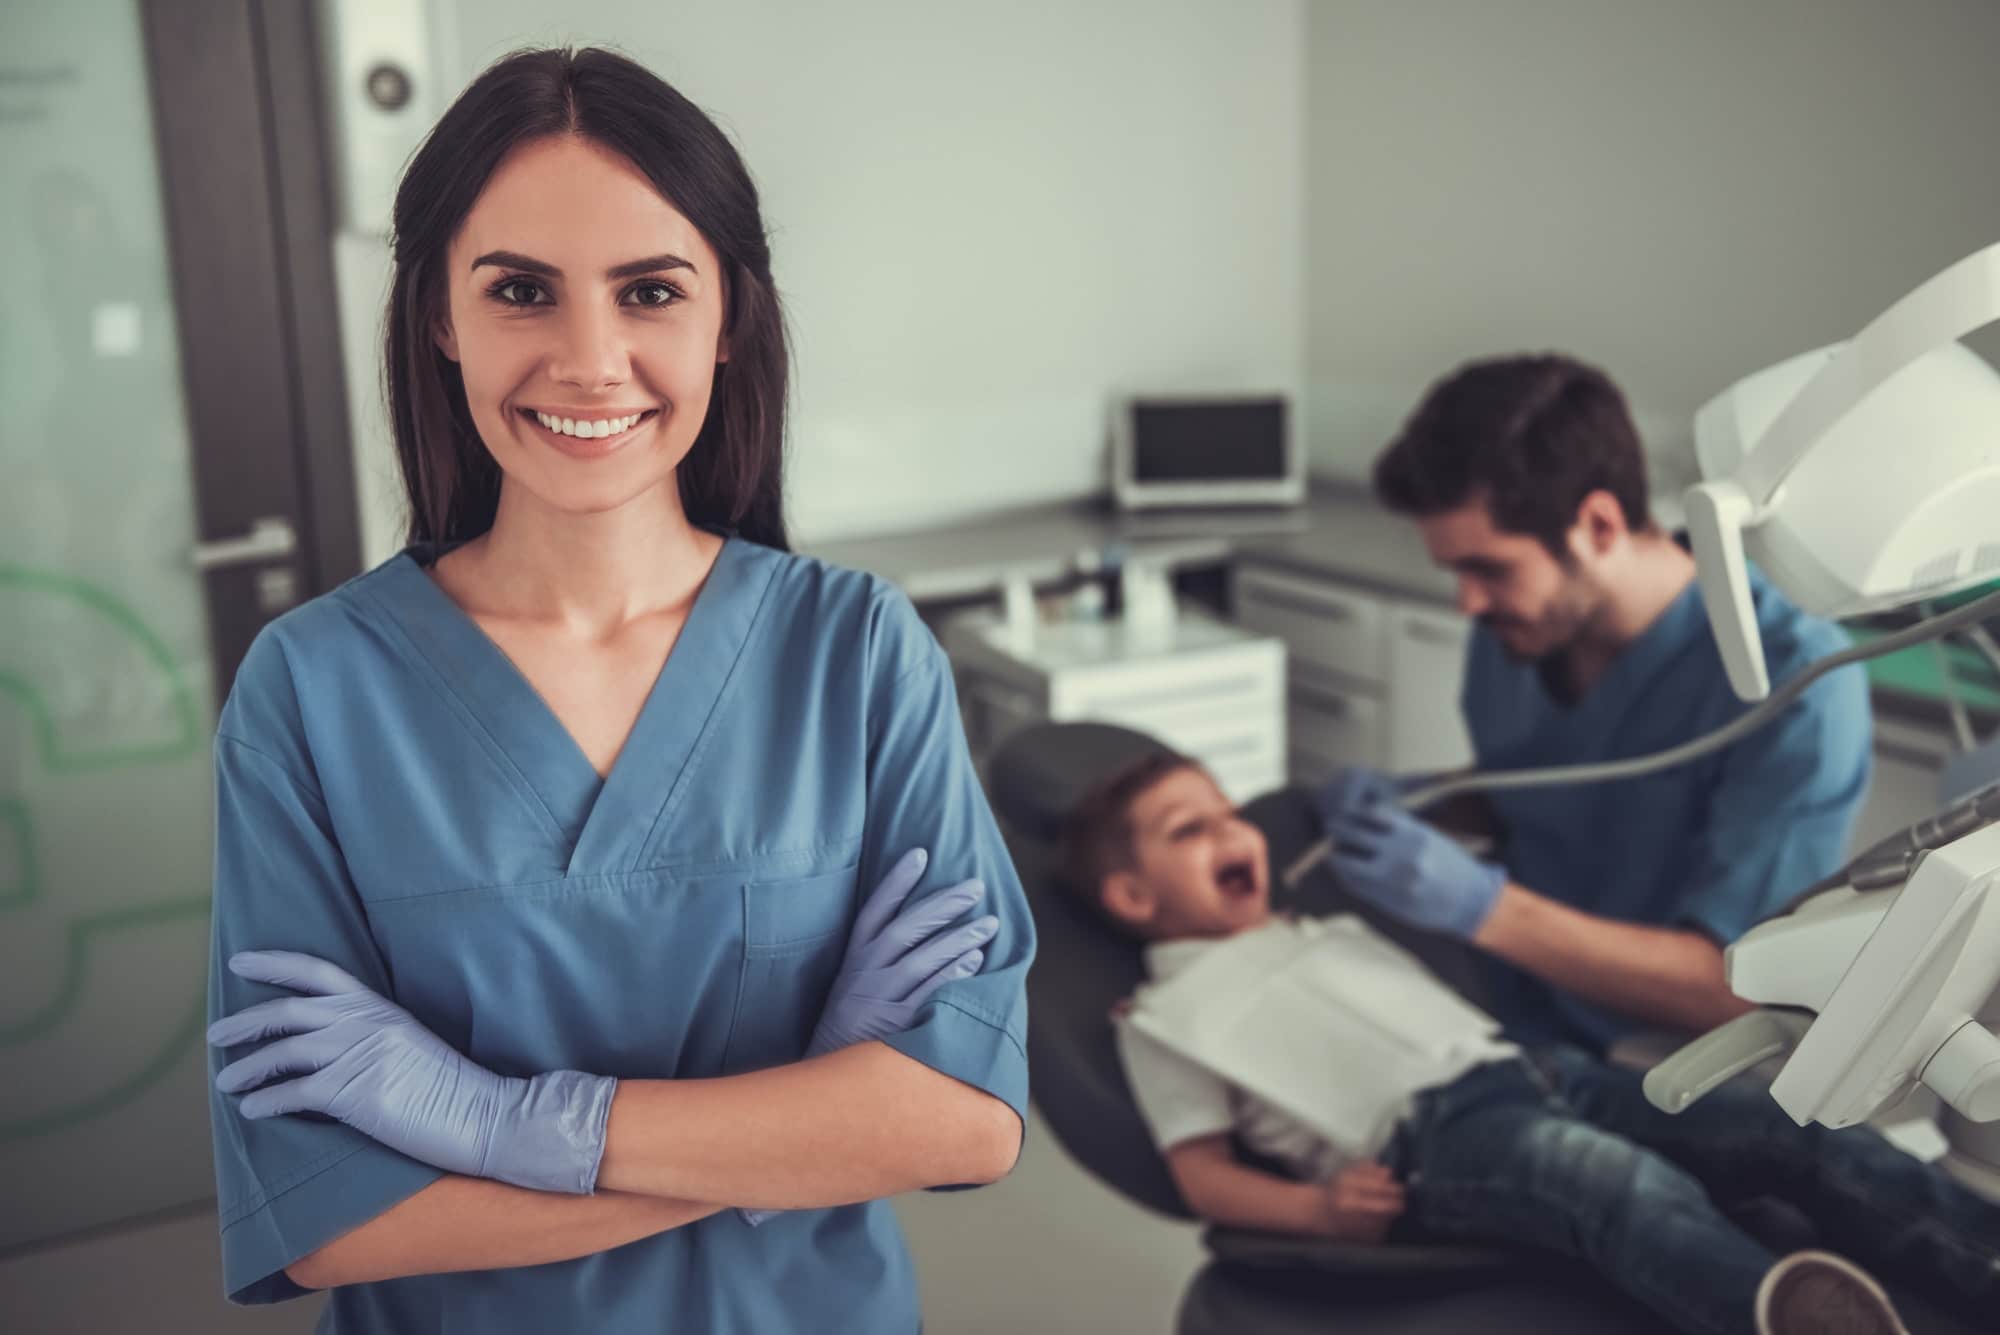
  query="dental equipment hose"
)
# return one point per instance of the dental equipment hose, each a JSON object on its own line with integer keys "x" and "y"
{"x": 1971, "y": 613}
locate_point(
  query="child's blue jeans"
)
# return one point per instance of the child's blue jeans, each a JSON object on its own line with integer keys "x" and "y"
{"x": 1562, "y": 1151}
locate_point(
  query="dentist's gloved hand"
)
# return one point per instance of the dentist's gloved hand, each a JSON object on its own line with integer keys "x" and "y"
{"x": 898, "y": 954}
{"x": 1410, "y": 869}
{"x": 1353, "y": 789}
{"x": 360, "y": 1058}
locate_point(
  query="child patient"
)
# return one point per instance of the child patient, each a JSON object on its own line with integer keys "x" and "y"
{"x": 1393, "y": 1104}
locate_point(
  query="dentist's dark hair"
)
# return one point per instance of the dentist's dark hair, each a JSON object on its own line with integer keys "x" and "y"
{"x": 1530, "y": 436}
{"x": 733, "y": 477}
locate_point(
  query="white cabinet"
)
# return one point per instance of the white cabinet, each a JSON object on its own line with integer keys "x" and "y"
{"x": 1426, "y": 671}
{"x": 1373, "y": 680}
{"x": 1330, "y": 627}
{"x": 1332, "y": 725}
{"x": 1204, "y": 687}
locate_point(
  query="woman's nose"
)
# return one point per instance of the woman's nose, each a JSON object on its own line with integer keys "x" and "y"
{"x": 591, "y": 354}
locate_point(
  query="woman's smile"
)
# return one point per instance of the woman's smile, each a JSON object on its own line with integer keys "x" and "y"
{"x": 590, "y": 437}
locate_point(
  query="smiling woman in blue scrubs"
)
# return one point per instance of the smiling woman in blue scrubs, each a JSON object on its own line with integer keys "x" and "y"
{"x": 549, "y": 840}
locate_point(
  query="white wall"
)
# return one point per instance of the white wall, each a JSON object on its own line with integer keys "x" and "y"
{"x": 1682, "y": 193}
{"x": 986, "y": 217}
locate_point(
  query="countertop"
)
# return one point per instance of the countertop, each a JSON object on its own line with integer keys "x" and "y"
{"x": 1340, "y": 534}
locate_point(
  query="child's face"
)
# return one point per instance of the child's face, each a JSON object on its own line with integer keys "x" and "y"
{"x": 1199, "y": 869}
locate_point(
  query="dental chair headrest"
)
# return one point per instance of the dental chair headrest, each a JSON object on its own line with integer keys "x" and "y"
{"x": 1082, "y": 967}
{"x": 1042, "y": 772}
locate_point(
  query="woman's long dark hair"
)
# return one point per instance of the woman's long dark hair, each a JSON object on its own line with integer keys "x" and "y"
{"x": 733, "y": 477}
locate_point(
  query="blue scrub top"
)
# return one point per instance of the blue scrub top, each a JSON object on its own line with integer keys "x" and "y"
{"x": 395, "y": 797}
{"x": 1716, "y": 844}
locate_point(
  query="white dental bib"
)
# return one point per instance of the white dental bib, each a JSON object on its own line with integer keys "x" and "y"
{"x": 1324, "y": 1019}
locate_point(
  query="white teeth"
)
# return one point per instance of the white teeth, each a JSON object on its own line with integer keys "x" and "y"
{"x": 588, "y": 430}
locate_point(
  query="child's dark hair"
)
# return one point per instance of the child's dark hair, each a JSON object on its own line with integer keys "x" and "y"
{"x": 1097, "y": 838}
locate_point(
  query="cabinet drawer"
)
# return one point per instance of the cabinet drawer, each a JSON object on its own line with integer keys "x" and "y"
{"x": 1255, "y": 670}
{"x": 1333, "y": 728}
{"x": 1330, "y": 627}
{"x": 1229, "y": 732}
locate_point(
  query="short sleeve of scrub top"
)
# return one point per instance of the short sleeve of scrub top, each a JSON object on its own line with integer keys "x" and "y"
{"x": 286, "y": 1184}
{"x": 925, "y": 793}
{"x": 395, "y": 797}
{"x": 1783, "y": 799}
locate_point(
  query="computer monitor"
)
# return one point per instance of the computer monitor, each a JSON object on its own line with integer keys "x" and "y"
{"x": 1208, "y": 450}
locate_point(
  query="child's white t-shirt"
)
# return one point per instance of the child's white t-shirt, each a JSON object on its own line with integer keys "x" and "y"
{"x": 1372, "y": 1022}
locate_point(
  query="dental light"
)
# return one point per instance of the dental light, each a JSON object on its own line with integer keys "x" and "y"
{"x": 1859, "y": 477}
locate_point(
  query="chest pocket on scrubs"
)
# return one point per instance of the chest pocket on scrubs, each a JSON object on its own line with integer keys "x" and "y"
{"x": 794, "y": 935}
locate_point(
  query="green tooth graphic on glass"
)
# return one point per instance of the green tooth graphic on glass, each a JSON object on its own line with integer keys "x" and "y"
{"x": 105, "y": 685}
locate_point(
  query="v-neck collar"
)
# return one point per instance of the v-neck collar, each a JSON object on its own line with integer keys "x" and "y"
{"x": 605, "y": 823}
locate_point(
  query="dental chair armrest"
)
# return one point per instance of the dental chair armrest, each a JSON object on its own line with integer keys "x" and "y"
{"x": 1383, "y": 1267}
{"x": 1643, "y": 1049}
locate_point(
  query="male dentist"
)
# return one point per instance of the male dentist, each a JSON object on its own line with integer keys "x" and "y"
{"x": 1609, "y": 905}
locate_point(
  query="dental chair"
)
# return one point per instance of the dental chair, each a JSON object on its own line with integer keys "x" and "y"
{"x": 1263, "y": 1283}
{"x": 1255, "y": 1283}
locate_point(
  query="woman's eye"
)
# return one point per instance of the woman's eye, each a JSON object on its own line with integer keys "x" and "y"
{"x": 518, "y": 292}
{"x": 654, "y": 294}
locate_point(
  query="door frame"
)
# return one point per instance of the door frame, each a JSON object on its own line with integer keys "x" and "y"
{"x": 247, "y": 197}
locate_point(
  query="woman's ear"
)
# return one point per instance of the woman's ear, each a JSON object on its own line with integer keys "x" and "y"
{"x": 446, "y": 340}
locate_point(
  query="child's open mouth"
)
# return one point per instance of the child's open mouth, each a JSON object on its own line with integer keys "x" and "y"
{"x": 1237, "y": 880}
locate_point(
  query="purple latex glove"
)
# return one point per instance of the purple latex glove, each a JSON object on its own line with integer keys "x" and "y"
{"x": 362, "y": 1059}
{"x": 898, "y": 954}
{"x": 1410, "y": 869}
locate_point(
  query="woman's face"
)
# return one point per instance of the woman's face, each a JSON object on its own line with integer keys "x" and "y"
{"x": 580, "y": 300}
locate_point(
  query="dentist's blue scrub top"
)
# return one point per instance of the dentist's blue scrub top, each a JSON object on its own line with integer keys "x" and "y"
{"x": 395, "y": 797}
{"x": 1717, "y": 844}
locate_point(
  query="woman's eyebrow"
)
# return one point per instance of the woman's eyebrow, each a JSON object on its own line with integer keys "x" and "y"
{"x": 509, "y": 259}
